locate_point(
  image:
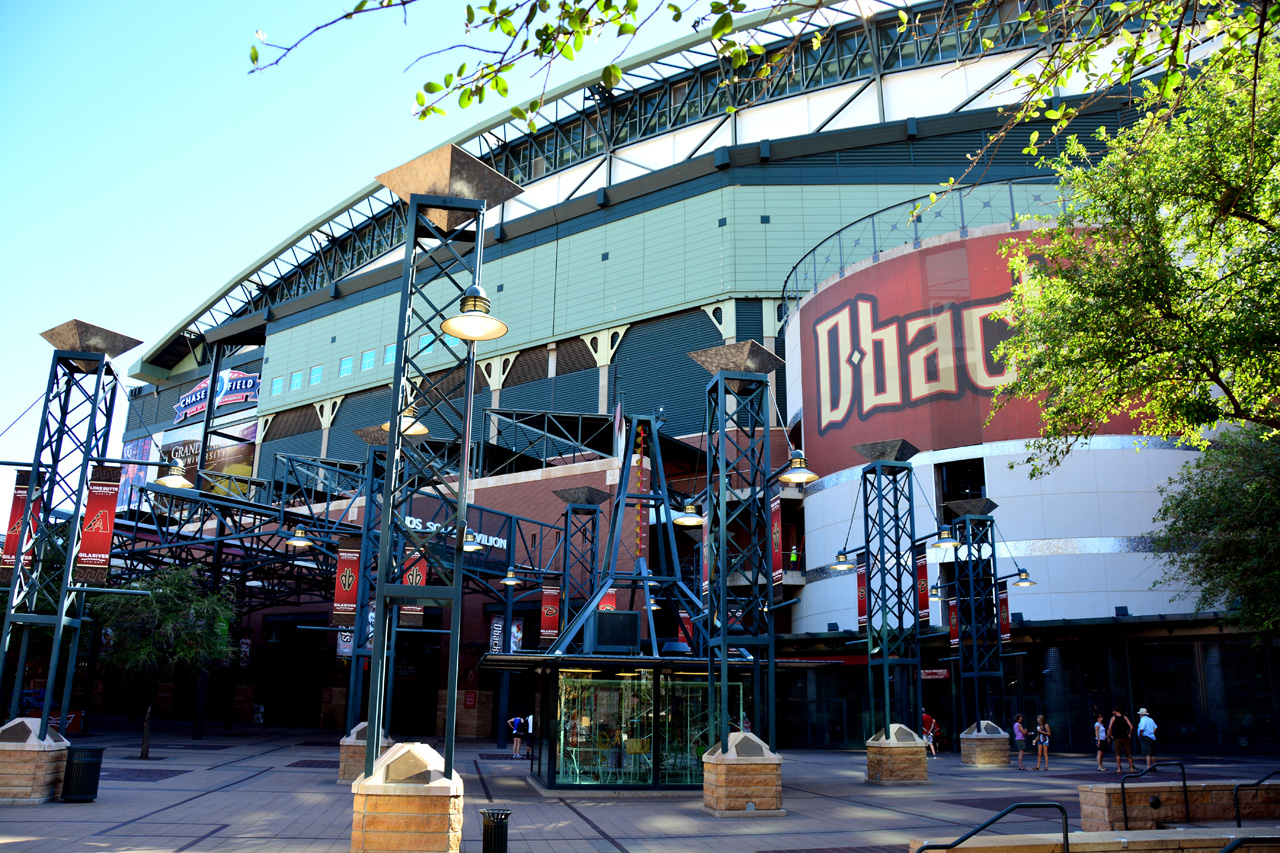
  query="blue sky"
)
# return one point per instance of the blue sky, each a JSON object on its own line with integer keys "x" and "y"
{"x": 141, "y": 167}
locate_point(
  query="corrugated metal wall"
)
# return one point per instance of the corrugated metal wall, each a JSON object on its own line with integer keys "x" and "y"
{"x": 750, "y": 320}
{"x": 652, "y": 368}
{"x": 303, "y": 444}
{"x": 357, "y": 410}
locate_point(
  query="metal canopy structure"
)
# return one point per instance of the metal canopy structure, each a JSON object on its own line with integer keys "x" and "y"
{"x": 980, "y": 660}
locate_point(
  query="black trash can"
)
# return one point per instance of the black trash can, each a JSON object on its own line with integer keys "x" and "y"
{"x": 84, "y": 766}
{"x": 495, "y": 829}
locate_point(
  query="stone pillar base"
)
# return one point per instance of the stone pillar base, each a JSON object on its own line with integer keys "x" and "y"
{"x": 351, "y": 751}
{"x": 31, "y": 769}
{"x": 898, "y": 757}
{"x": 984, "y": 744}
{"x": 407, "y": 804}
{"x": 744, "y": 782}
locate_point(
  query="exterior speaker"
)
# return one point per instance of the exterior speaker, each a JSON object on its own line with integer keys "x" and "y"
{"x": 618, "y": 632}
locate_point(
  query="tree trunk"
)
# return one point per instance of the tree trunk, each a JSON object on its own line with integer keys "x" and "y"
{"x": 146, "y": 735}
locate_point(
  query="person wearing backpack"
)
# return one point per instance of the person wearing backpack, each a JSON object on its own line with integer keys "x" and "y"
{"x": 1120, "y": 729}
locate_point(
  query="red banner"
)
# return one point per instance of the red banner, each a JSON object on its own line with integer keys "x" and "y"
{"x": 99, "y": 524}
{"x": 610, "y": 601}
{"x": 1005, "y": 633}
{"x": 775, "y": 525}
{"x": 415, "y": 574}
{"x": 953, "y": 616}
{"x": 922, "y": 585}
{"x": 9, "y": 557}
{"x": 686, "y": 621}
{"x": 861, "y": 573}
{"x": 706, "y": 557}
{"x": 347, "y": 583}
{"x": 550, "y": 613}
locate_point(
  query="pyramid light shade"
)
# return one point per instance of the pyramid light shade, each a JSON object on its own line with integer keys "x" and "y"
{"x": 474, "y": 322}
{"x": 298, "y": 539}
{"x": 895, "y": 450}
{"x": 690, "y": 517}
{"x": 451, "y": 172}
{"x": 945, "y": 540}
{"x": 510, "y": 579}
{"x": 1024, "y": 578}
{"x": 586, "y": 495}
{"x": 469, "y": 543}
{"x": 79, "y": 336}
{"x": 742, "y": 357}
{"x": 176, "y": 478}
{"x": 409, "y": 424}
{"x": 798, "y": 472}
{"x": 972, "y": 506}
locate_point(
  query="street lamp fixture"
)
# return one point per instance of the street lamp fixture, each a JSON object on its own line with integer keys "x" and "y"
{"x": 298, "y": 539}
{"x": 469, "y": 543}
{"x": 935, "y": 594}
{"x": 409, "y": 424}
{"x": 176, "y": 478}
{"x": 797, "y": 472}
{"x": 1024, "y": 578}
{"x": 841, "y": 563}
{"x": 475, "y": 323}
{"x": 690, "y": 517}
{"x": 510, "y": 579}
{"x": 945, "y": 540}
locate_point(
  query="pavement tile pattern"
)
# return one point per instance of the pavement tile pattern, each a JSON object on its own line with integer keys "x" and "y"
{"x": 264, "y": 790}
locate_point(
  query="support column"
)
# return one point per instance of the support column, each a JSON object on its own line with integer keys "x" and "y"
{"x": 494, "y": 370}
{"x": 603, "y": 344}
{"x": 264, "y": 423}
{"x": 327, "y": 410}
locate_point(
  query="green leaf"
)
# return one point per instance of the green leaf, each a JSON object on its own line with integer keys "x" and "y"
{"x": 422, "y": 99}
{"x": 987, "y": 44}
{"x": 432, "y": 88}
{"x": 902, "y": 16}
{"x": 757, "y": 49}
{"x": 611, "y": 76}
{"x": 464, "y": 98}
{"x": 500, "y": 86}
{"x": 253, "y": 54}
{"x": 519, "y": 113}
{"x": 723, "y": 26}
{"x": 626, "y": 30}
{"x": 448, "y": 80}
{"x": 508, "y": 28}
{"x": 360, "y": 6}
{"x": 1024, "y": 17}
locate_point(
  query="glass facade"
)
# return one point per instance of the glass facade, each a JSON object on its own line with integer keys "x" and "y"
{"x": 627, "y": 728}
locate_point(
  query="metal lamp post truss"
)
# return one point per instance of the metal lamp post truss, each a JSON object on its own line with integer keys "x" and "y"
{"x": 893, "y": 627}
{"x": 977, "y": 606}
{"x": 74, "y": 424}
{"x": 739, "y": 582}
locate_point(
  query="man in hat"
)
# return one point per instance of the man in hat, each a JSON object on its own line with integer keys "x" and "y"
{"x": 1147, "y": 736}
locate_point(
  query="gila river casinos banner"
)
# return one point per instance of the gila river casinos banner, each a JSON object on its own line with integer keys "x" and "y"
{"x": 99, "y": 525}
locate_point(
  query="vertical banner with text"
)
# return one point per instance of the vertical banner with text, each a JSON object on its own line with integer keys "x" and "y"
{"x": 1005, "y": 632}
{"x": 550, "y": 628}
{"x": 346, "y": 583}
{"x": 775, "y": 525}
{"x": 953, "y": 617}
{"x": 414, "y": 575}
{"x": 99, "y": 525}
{"x": 610, "y": 601}
{"x": 706, "y": 557}
{"x": 922, "y": 584}
{"x": 860, "y": 571}
{"x": 9, "y": 558}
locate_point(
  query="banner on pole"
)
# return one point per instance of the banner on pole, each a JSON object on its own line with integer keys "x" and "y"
{"x": 98, "y": 525}
{"x": 860, "y": 571}
{"x": 414, "y": 575}
{"x": 550, "y": 628}
{"x": 610, "y": 601}
{"x": 706, "y": 557}
{"x": 347, "y": 583}
{"x": 922, "y": 584}
{"x": 9, "y": 557}
{"x": 953, "y": 616}
{"x": 1005, "y": 632}
{"x": 775, "y": 525}
{"x": 495, "y": 634}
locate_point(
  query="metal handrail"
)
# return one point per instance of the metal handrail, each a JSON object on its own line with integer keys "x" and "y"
{"x": 1235, "y": 792}
{"x": 1269, "y": 840}
{"x": 1186, "y": 797}
{"x": 1066, "y": 845}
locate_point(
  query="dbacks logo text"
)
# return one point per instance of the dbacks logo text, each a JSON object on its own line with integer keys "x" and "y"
{"x": 866, "y": 365}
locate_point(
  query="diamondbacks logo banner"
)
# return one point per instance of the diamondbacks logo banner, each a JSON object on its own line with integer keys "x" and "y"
{"x": 610, "y": 601}
{"x": 922, "y": 585}
{"x": 953, "y": 617}
{"x": 347, "y": 583}
{"x": 9, "y": 558}
{"x": 1005, "y": 633}
{"x": 415, "y": 574}
{"x": 550, "y": 627}
{"x": 860, "y": 571}
{"x": 775, "y": 528}
{"x": 99, "y": 524}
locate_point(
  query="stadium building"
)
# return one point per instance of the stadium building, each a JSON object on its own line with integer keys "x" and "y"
{"x": 654, "y": 222}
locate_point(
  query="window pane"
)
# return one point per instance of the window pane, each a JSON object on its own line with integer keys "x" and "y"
{"x": 344, "y": 366}
{"x": 426, "y": 343}
{"x": 316, "y": 374}
{"x": 277, "y": 385}
{"x": 366, "y": 360}
{"x": 389, "y": 354}
{"x": 295, "y": 381}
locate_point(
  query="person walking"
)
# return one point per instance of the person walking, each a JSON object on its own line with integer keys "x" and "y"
{"x": 1100, "y": 740}
{"x": 517, "y": 732}
{"x": 1119, "y": 730}
{"x": 1042, "y": 742}
{"x": 930, "y": 728}
{"x": 1019, "y": 740}
{"x": 1147, "y": 737}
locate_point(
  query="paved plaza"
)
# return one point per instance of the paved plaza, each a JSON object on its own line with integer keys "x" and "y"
{"x": 266, "y": 790}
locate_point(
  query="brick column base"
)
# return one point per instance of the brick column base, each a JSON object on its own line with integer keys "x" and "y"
{"x": 407, "y": 804}
{"x": 897, "y": 758}
{"x": 351, "y": 751}
{"x": 984, "y": 744}
{"x": 744, "y": 782}
{"x": 31, "y": 769}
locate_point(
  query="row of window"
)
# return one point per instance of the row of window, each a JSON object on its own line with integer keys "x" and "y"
{"x": 346, "y": 364}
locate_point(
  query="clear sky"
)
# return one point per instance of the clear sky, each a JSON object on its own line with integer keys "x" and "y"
{"x": 141, "y": 167}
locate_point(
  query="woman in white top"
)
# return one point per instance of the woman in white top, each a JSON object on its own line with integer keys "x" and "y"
{"x": 1042, "y": 742}
{"x": 1100, "y": 739}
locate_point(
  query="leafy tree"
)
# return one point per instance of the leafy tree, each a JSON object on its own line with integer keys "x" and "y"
{"x": 179, "y": 626}
{"x": 1157, "y": 293}
{"x": 1091, "y": 44}
{"x": 1219, "y": 518}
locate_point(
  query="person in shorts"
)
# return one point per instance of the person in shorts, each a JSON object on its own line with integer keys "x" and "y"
{"x": 930, "y": 728}
{"x": 1147, "y": 737}
{"x": 1019, "y": 740}
{"x": 1100, "y": 739}
{"x": 1119, "y": 730}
